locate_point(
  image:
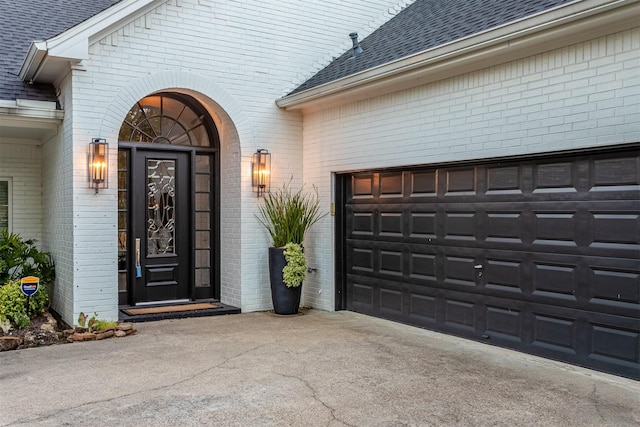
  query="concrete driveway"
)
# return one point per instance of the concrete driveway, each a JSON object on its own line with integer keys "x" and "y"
{"x": 316, "y": 369}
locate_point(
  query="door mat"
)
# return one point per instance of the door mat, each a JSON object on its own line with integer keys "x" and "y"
{"x": 169, "y": 309}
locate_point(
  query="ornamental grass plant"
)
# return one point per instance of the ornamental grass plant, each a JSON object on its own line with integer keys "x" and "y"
{"x": 287, "y": 215}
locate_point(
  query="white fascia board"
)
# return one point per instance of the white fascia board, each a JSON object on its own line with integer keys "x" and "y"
{"x": 73, "y": 44}
{"x": 518, "y": 39}
{"x": 22, "y": 110}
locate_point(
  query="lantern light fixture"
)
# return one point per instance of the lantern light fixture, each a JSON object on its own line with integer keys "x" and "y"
{"x": 98, "y": 164}
{"x": 261, "y": 171}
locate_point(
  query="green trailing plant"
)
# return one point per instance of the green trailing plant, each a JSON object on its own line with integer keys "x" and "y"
{"x": 20, "y": 258}
{"x": 294, "y": 273}
{"x": 13, "y": 303}
{"x": 288, "y": 215}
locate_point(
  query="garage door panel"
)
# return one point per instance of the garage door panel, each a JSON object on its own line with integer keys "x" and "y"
{"x": 614, "y": 346}
{"x": 554, "y": 334}
{"x": 459, "y": 182}
{"x": 422, "y": 226}
{"x": 392, "y": 185}
{"x": 362, "y": 187}
{"x": 361, "y": 296}
{"x": 423, "y": 184}
{"x": 391, "y": 262}
{"x": 615, "y": 229}
{"x": 617, "y": 287}
{"x": 460, "y": 315}
{"x": 539, "y": 255}
{"x": 392, "y": 301}
{"x": 460, "y": 271}
{"x": 361, "y": 260}
{"x": 459, "y": 225}
{"x": 423, "y": 267}
{"x": 361, "y": 224}
{"x": 615, "y": 173}
{"x": 505, "y": 180}
{"x": 390, "y": 223}
{"x": 504, "y": 226}
{"x": 504, "y": 276}
{"x": 422, "y": 309}
{"x": 555, "y": 228}
{"x": 556, "y": 177}
{"x": 557, "y": 283}
{"x": 505, "y": 324}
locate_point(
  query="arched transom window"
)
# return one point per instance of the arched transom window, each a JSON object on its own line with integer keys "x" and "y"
{"x": 163, "y": 119}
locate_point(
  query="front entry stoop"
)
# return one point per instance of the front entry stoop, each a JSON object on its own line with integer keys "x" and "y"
{"x": 218, "y": 310}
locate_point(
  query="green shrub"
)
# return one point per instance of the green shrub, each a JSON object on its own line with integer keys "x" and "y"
{"x": 13, "y": 302}
{"x": 22, "y": 321}
{"x": 20, "y": 258}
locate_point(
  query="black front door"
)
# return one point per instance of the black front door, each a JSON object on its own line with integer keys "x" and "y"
{"x": 161, "y": 224}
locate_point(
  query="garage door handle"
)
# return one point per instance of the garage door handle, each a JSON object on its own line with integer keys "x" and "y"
{"x": 478, "y": 266}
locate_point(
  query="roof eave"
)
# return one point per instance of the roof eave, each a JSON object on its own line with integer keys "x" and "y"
{"x": 558, "y": 27}
{"x": 35, "y": 56}
{"x": 46, "y": 59}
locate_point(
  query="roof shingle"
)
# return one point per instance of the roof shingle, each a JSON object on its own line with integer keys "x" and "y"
{"x": 423, "y": 25}
{"x": 24, "y": 21}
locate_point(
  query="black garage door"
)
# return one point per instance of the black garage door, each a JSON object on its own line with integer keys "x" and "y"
{"x": 539, "y": 255}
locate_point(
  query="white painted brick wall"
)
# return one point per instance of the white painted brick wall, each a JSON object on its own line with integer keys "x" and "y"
{"x": 57, "y": 200}
{"x": 584, "y": 95}
{"x": 22, "y": 162}
{"x": 236, "y": 58}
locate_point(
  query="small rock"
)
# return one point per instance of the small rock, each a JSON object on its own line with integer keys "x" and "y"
{"x": 70, "y": 338}
{"x": 77, "y": 337}
{"x": 105, "y": 334}
{"x": 9, "y": 343}
{"x": 125, "y": 326}
{"x": 47, "y": 327}
{"x": 68, "y": 332}
{"x": 120, "y": 334}
{"x": 88, "y": 336}
{"x": 40, "y": 337}
{"x": 130, "y": 332}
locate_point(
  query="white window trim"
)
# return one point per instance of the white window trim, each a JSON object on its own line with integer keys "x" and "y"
{"x": 9, "y": 208}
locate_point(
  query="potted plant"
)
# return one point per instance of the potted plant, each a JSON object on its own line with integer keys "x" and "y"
{"x": 287, "y": 215}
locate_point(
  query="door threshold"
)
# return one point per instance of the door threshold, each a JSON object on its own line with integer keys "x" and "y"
{"x": 161, "y": 303}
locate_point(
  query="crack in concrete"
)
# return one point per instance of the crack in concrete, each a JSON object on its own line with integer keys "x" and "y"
{"x": 203, "y": 371}
{"x": 332, "y": 411}
{"x": 596, "y": 401}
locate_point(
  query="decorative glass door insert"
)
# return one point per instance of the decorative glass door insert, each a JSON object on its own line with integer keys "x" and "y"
{"x": 161, "y": 195}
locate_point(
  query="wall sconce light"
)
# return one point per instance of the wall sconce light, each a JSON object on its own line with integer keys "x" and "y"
{"x": 261, "y": 171}
{"x": 98, "y": 164}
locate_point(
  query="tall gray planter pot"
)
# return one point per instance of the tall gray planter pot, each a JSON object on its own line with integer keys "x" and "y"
{"x": 285, "y": 300}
